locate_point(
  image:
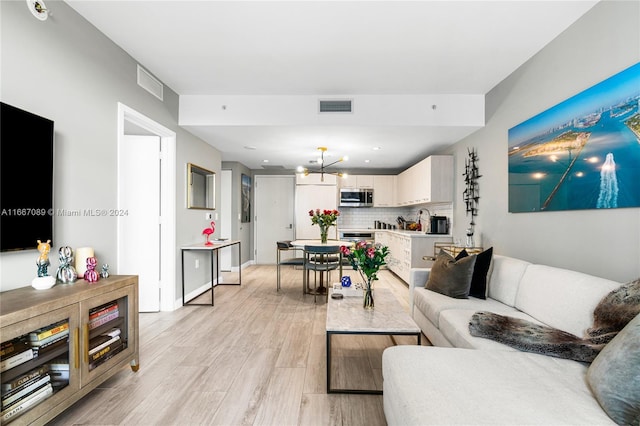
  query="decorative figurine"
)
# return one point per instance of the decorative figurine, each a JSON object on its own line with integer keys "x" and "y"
{"x": 207, "y": 232}
{"x": 43, "y": 281}
{"x": 43, "y": 261}
{"x": 90, "y": 274}
{"x": 66, "y": 272}
{"x": 104, "y": 273}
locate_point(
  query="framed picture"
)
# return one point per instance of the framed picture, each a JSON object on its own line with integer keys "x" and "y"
{"x": 583, "y": 153}
{"x": 245, "y": 214}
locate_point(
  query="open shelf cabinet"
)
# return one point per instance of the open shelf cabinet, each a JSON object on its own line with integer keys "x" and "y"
{"x": 75, "y": 321}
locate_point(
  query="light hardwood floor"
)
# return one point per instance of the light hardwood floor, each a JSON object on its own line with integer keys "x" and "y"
{"x": 256, "y": 358}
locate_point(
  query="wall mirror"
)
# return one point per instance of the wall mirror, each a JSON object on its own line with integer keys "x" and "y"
{"x": 200, "y": 188}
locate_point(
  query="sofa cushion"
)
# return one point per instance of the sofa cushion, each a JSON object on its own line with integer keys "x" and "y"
{"x": 454, "y": 325}
{"x": 504, "y": 278}
{"x": 561, "y": 298}
{"x": 507, "y": 387}
{"x": 478, "y": 286}
{"x": 451, "y": 277}
{"x": 480, "y": 270}
{"x": 431, "y": 304}
{"x": 614, "y": 376}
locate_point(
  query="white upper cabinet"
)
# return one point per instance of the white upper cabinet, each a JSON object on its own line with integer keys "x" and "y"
{"x": 316, "y": 179}
{"x": 356, "y": 181}
{"x": 384, "y": 191}
{"x": 429, "y": 181}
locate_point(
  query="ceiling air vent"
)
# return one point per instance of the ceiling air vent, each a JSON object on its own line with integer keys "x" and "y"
{"x": 336, "y": 105}
{"x": 150, "y": 83}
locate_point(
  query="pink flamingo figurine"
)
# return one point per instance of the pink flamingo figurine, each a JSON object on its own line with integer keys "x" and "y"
{"x": 207, "y": 233}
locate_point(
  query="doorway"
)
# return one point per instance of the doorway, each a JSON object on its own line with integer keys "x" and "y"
{"x": 274, "y": 197}
{"x": 149, "y": 193}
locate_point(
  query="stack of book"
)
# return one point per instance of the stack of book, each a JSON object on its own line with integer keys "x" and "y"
{"x": 48, "y": 338}
{"x": 59, "y": 372}
{"x": 104, "y": 346}
{"x": 24, "y": 392}
{"x": 14, "y": 352}
{"x": 103, "y": 314}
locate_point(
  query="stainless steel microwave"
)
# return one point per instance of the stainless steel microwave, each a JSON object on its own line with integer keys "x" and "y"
{"x": 350, "y": 197}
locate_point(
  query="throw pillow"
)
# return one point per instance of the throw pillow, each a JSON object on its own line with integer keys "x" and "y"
{"x": 462, "y": 254}
{"x": 614, "y": 376}
{"x": 450, "y": 277}
{"x": 480, "y": 270}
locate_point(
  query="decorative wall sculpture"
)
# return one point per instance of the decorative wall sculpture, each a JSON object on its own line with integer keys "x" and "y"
{"x": 471, "y": 193}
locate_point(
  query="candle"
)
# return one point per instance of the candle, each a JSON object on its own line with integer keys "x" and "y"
{"x": 82, "y": 254}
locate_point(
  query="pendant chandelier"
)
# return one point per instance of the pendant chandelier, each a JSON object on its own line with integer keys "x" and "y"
{"x": 322, "y": 171}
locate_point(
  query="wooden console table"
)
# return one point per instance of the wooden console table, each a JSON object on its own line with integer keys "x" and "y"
{"x": 25, "y": 310}
{"x": 214, "y": 250}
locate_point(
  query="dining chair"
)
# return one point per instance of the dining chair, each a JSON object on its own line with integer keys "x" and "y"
{"x": 321, "y": 260}
{"x": 285, "y": 246}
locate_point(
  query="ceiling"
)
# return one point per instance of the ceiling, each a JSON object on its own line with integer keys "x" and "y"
{"x": 388, "y": 49}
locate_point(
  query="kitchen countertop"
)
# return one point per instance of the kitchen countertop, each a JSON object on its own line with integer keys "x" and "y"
{"x": 396, "y": 231}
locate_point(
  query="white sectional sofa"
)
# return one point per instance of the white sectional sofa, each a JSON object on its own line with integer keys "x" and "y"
{"x": 472, "y": 380}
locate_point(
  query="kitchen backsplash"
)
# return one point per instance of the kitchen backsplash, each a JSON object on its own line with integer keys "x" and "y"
{"x": 364, "y": 217}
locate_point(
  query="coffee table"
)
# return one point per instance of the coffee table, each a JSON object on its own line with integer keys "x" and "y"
{"x": 347, "y": 316}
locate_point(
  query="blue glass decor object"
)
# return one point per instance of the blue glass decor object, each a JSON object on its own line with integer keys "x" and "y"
{"x": 346, "y": 281}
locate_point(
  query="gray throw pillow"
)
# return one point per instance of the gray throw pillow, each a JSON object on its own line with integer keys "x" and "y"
{"x": 614, "y": 376}
{"x": 451, "y": 277}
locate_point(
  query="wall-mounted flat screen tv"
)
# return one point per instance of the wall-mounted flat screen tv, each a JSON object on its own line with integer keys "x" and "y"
{"x": 26, "y": 179}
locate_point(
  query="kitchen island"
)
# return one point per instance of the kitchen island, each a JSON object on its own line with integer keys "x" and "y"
{"x": 408, "y": 249}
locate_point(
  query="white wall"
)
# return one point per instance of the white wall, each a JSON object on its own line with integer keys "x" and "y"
{"x": 66, "y": 70}
{"x": 605, "y": 243}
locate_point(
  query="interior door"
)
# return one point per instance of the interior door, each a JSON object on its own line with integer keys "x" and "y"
{"x": 139, "y": 245}
{"x": 274, "y": 197}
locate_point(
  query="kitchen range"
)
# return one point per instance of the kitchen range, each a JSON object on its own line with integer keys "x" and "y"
{"x": 357, "y": 235}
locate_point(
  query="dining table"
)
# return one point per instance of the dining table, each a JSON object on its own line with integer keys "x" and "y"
{"x": 330, "y": 243}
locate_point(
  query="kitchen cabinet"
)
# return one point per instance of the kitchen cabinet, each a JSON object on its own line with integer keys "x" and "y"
{"x": 24, "y": 311}
{"x": 407, "y": 250}
{"x": 311, "y": 197}
{"x": 357, "y": 181}
{"x": 429, "y": 181}
{"x": 384, "y": 191}
{"x": 316, "y": 179}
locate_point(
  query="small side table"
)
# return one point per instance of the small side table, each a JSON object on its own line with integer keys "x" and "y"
{"x": 214, "y": 250}
{"x": 452, "y": 249}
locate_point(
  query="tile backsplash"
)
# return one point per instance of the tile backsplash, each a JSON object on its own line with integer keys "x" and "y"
{"x": 364, "y": 217}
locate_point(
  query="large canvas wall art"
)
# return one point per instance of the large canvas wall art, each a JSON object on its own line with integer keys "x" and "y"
{"x": 583, "y": 153}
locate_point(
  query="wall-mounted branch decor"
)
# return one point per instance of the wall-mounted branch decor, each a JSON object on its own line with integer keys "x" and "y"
{"x": 471, "y": 193}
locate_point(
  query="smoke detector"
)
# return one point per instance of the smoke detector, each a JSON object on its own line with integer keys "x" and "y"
{"x": 38, "y": 9}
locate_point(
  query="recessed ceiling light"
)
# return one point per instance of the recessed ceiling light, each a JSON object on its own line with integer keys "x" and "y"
{"x": 376, "y": 148}
{"x": 250, "y": 148}
{"x": 367, "y": 161}
{"x": 265, "y": 161}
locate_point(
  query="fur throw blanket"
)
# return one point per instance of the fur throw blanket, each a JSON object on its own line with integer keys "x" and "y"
{"x": 613, "y": 312}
